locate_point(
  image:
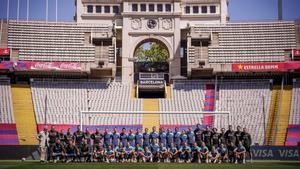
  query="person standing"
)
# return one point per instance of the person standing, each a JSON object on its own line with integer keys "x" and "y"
{"x": 43, "y": 138}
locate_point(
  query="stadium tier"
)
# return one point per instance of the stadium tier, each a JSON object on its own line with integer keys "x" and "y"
{"x": 8, "y": 132}
{"x": 293, "y": 133}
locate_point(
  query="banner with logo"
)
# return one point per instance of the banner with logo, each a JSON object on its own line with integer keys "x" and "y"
{"x": 276, "y": 153}
{"x": 4, "y": 51}
{"x": 6, "y": 65}
{"x": 59, "y": 66}
{"x": 265, "y": 66}
{"x": 296, "y": 52}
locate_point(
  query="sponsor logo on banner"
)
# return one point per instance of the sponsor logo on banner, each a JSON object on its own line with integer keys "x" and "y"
{"x": 267, "y": 66}
{"x": 4, "y": 51}
{"x": 296, "y": 52}
{"x": 276, "y": 153}
{"x": 60, "y": 66}
{"x": 6, "y": 65}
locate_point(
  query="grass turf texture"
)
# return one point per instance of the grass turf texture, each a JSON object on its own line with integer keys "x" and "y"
{"x": 258, "y": 164}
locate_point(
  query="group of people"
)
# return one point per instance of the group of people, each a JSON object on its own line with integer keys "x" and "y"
{"x": 200, "y": 146}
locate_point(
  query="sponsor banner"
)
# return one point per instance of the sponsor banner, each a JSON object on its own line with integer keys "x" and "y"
{"x": 7, "y": 65}
{"x": 244, "y": 67}
{"x": 60, "y": 66}
{"x": 4, "y": 51}
{"x": 276, "y": 153}
{"x": 296, "y": 52}
{"x": 151, "y": 82}
{"x": 265, "y": 66}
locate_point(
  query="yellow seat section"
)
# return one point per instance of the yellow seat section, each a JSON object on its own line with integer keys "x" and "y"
{"x": 283, "y": 119}
{"x": 24, "y": 114}
{"x": 169, "y": 92}
{"x": 150, "y": 120}
{"x": 270, "y": 132}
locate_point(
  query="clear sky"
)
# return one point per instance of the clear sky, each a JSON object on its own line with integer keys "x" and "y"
{"x": 239, "y": 10}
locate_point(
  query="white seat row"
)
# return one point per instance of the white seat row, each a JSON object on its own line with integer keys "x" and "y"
{"x": 6, "y": 109}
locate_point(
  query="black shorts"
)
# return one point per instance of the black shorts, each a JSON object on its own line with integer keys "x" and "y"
{"x": 248, "y": 149}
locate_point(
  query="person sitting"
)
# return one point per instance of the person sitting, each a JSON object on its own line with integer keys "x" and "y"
{"x": 72, "y": 152}
{"x": 214, "y": 155}
{"x": 140, "y": 153}
{"x": 185, "y": 153}
{"x": 109, "y": 154}
{"x": 148, "y": 155}
{"x": 86, "y": 151}
{"x": 240, "y": 153}
{"x": 196, "y": 152}
{"x": 204, "y": 152}
{"x": 163, "y": 153}
{"x": 57, "y": 151}
{"x": 223, "y": 153}
{"x": 99, "y": 152}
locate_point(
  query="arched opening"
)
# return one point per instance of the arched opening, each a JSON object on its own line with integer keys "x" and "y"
{"x": 151, "y": 56}
{"x": 151, "y": 68}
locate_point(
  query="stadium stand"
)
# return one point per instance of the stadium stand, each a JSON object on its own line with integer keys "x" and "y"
{"x": 243, "y": 99}
{"x": 293, "y": 131}
{"x": 250, "y": 42}
{"x": 237, "y": 97}
{"x": 8, "y": 131}
{"x": 24, "y": 114}
{"x": 40, "y": 41}
{"x": 65, "y": 100}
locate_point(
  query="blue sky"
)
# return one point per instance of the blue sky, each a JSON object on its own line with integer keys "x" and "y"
{"x": 239, "y": 10}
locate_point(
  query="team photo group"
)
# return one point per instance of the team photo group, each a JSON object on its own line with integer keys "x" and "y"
{"x": 166, "y": 145}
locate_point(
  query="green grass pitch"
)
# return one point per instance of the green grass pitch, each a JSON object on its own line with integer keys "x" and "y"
{"x": 255, "y": 165}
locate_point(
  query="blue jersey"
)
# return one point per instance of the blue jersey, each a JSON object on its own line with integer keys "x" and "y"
{"x": 183, "y": 138}
{"x": 139, "y": 149}
{"x": 240, "y": 149}
{"x": 203, "y": 149}
{"x": 109, "y": 152}
{"x": 163, "y": 138}
{"x": 139, "y": 138}
{"x": 121, "y": 150}
{"x": 196, "y": 148}
{"x": 185, "y": 149}
{"x": 131, "y": 139}
{"x": 146, "y": 137}
{"x": 154, "y": 148}
{"x": 148, "y": 153}
{"x": 170, "y": 138}
{"x": 123, "y": 138}
{"x": 173, "y": 149}
{"x": 129, "y": 149}
{"x": 153, "y": 136}
{"x": 107, "y": 138}
{"x": 115, "y": 139}
{"x": 223, "y": 151}
{"x": 191, "y": 137}
{"x": 213, "y": 153}
{"x": 163, "y": 149}
{"x": 177, "y": 138}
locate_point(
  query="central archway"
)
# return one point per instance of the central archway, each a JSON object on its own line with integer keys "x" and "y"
{"x": 151, "y": 55}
